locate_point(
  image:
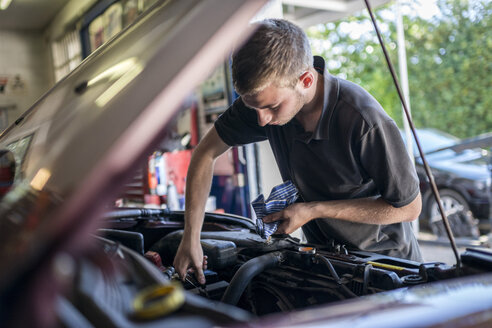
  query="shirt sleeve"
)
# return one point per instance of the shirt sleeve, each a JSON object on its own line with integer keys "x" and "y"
{"x": 238, "y": 125}
{"x": 386, "y": 161}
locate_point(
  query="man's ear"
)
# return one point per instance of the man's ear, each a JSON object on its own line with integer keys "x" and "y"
{"x": 306, "y": 79}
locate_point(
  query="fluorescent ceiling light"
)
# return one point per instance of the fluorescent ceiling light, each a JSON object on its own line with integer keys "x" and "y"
{"x": 4, "y": 4}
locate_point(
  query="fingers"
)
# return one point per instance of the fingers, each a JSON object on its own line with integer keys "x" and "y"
{"x": 196, "y": 269}
{"x": 281, "y": 229}
{"x": 199, "y": 272}
{"x": 204, "y": 265}
{"x": 200, "y": 276}
{"x": 273, "y": 217}
{"x": 181, "y": 268}
{"x": 205, "y": 262}
{"x": 286, "y": 227}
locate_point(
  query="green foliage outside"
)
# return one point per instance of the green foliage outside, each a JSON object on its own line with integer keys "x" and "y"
{"x": 449, "y": 61}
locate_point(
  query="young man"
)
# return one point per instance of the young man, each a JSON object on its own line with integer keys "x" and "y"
{"x": 329, "y": 136}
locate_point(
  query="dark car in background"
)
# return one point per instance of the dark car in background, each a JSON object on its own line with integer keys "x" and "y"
{"x": 462, "y": 173}
{"x": 69, "y": 258}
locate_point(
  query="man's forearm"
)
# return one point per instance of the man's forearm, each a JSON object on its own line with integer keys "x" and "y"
{"x": 198, "y": 183}
{"x": 365, "y": 210}
{"x": 362, "y": 210}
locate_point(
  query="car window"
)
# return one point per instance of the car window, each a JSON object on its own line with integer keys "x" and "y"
{"x": 431, "y": 139}
{"x": 434, "y": 139}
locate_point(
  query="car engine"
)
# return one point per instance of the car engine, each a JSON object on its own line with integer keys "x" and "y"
{"x": 256, "y": 276}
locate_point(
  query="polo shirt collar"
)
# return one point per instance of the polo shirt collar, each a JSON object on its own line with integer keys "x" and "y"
{"x": 330, "y": 99}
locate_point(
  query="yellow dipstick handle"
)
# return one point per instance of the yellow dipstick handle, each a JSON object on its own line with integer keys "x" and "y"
{"x": 386, "y": 266}
{"x": 157, "y": 301}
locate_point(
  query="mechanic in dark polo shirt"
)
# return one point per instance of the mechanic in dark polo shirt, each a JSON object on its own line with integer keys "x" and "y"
{"x": 330, "y": 137}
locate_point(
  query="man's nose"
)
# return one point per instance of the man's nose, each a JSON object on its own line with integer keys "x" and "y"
{"x": 264, "y": 117}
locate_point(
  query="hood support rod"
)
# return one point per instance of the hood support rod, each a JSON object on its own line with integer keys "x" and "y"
{"x": 410, "y": 122}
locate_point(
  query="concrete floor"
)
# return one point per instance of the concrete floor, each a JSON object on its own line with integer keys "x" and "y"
{"x": 439, "y": 253}
{"x": 440, "y": 250}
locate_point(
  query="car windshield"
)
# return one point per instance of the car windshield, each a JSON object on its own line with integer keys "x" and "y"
{"x": 434, "y": 139}
{"x": 431, "y": 139}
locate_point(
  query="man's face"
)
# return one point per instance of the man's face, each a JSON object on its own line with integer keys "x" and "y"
{"x": 275, "y": 105}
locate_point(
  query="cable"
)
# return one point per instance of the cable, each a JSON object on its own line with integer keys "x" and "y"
{"x": 334, "y": 274}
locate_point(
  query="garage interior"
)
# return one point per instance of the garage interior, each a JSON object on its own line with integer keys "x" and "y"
{"x": 53, "y": 37}
{"x": 42, "y": 44}
{"x": 42, "y": 41}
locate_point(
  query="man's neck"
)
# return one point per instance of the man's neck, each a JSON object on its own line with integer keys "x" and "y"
{"x": 310, "y": 113}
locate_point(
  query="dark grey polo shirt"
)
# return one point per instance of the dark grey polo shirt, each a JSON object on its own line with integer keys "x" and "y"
{"x": 356, "y": 151}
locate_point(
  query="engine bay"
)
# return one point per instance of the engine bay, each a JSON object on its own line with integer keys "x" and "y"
{"x": 246, "y": 277}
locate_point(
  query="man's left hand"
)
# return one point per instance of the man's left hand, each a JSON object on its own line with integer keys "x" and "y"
{"x": 293, "y": 217}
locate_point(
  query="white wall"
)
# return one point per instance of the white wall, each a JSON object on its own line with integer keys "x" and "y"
{"x": 26, "y": 54}
{"x": 68, "y": 16}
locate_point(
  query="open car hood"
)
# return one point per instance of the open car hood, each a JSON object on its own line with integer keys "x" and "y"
{"x": 76, "y": 146}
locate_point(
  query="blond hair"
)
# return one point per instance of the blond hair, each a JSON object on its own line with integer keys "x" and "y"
{"x": 277, "y": 53}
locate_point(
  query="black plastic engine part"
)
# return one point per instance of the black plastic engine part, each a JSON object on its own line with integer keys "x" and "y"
{"x": 130, "y": 239}
{"x": 121, "y": 213}
{"x": 214, "y": 290}
{"x": 221, "y": 253}
{"x": 477, "y": 258}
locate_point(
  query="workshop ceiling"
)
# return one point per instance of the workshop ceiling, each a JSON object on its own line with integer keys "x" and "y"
{"x": 37, "y": 14}
{"x": 30, "y": 14}
{"x": 307, "y": 13}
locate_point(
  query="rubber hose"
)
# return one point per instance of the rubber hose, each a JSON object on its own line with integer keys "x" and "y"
{"x": 334, "y": 274}
{"x": 247, "y": 272}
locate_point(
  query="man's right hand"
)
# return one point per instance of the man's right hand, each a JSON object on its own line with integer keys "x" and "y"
{"x": 189, "y": 257}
